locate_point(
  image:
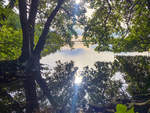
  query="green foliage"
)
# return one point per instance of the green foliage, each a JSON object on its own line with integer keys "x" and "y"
{"x": 120, "y": 108}
{"x": 104, "y": 29}
{"x": 53, "y": 43}
{"x": 63, "y": 24}
{"x": 138, "y": 37}
{"x": 136, "y": 71}
{"x": 10, "y": 43}
{"x": 4, "y": 12}
{"x": 119, "y": 26}
{"x": 10, "y": 34}
{"x": 14, "y": 24}
{"x": 61, "y": 33}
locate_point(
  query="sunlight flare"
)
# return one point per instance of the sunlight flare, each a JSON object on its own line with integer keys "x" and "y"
{"x": 78, "y": 80}
{"x": 77, "y": 1}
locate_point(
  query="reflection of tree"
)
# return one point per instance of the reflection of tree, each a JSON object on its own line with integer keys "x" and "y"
{"x": 137, "y": 76}
{"x": 98, "y": 92}
{"x": 94, "y": 94}
{"x": 100, "y": 89}
{"x": 103, "y": 94}
{"x": 60, "y": 81}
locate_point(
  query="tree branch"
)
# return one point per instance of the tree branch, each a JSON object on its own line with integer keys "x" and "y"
{"x": 31, "y": 22}
{"x": 11, "y": 4}
{"x": 40, "y": 45}
{"x": 43, "y": 85}
{"x": 33, "y": 12}
{"x": 23, "y": 13}
{"x": 24, "y": 24}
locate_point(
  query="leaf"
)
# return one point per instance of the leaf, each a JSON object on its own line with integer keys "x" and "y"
{"x": 121, "y": 108}
{"x": 131, "y": 110}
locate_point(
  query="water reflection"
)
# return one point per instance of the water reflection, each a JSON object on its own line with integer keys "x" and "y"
{"x": 136, "y": 73}
{"x": 104, "y": 93}
{"x": 82, "y": 56}
{"x": 73, "y": 52}
{"x": 75, "y": 99}
{"x": 102, "y": 86}
{"x": 115, "y": 78}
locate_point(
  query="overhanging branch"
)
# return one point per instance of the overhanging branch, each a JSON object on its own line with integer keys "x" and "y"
{"x": 40, "y": 45}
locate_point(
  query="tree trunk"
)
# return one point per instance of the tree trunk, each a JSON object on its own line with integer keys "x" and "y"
{"x": 31, "y": 97}
{"x": 30, "y": 56}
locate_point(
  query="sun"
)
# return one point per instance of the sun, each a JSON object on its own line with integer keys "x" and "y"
{"x": 78, "y": 80}
{"x": 77, "y": 1}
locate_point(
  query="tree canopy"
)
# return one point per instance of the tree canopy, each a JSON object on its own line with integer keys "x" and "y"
{"x": 119, "y": 25}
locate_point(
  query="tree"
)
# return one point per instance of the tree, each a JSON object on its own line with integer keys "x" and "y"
{"x": 100, "y": 88}
{"x": 137, "y": 78}
{"x": 119, "y": 25}
{"x": 27, "y": 66}
{"x": 10, "y": 34}
{"x": 104, "y": 93}
{"x": 61, "y": 81}
{"x": 136, "y": 74}
{"x": 97, "y": 92}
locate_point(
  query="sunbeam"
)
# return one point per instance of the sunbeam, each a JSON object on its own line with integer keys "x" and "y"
{"x": 78, "y": 80}
{"x": 77, "y": 1}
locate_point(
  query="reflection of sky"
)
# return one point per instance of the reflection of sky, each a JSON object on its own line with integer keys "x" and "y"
{"x": 81, "y": 55}
{"x": 72, "y": 52}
